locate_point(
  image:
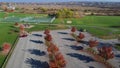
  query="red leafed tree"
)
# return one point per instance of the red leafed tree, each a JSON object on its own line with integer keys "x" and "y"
{"x": 60, "y": 59}
{"x": 48, "y": 37}
{"x": 106, "y": 52}
{"x": 52, "y": 48}
{"x": 22, "y": 27}
{"x": 53, "y": 64}
{"x": 6, "y": 47}
{"x": 93, "y": 43}
{"x": 81, "y": 36}
{"x": 73, "y": 29}
{"x": 47, "y": 31}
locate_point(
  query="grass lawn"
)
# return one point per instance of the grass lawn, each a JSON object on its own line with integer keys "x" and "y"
{"x": 92, "y": 20}
{"x": 39, "y": 27}
{"x": 96, "y": 25}
{"x": 3, "y": 14}
{"x": 8, "y": 35}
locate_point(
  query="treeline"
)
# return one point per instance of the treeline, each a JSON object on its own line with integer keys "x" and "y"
{"x": 64, "y": 13}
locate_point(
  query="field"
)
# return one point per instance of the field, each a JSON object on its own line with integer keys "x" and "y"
{"x": 8, "y": 35}
{"x": 96, "y": 25}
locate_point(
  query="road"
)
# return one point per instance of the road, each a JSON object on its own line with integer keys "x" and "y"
{"x": 31, "y": 52}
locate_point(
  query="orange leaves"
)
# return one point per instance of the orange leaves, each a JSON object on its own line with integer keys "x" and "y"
{"x": 62, "y": 63}
{"x": 81, "y": 36}
{"x": 52, "y": 48}
{"x": 48, "y": 37}
{"x": 53, "y": 64}
{"x": 60, "y": 59}
{"x": 106, "y": 52}
{"x": 93, "y": 43}
{"x": 22, "y": 27}
{"x": 47, "y": 31}
{"x": 56, "y": 59}
{"x": 73, "y": 29}
{"x": 59, "y": 56}
{"x": 6, "y": 47}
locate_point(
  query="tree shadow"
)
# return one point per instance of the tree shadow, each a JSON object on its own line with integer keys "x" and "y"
{"x": 74, "y": 47}
{"x": 91, "y": 67}
{"x": 69, "y": 39}
{"x": 81, "y": 57}
{"x": 115, "y": 26}
{"x": 81, "y": 30}
{"x": 101, "y": 44}
{"x": 84, "y": 42}
{"x": 37, "y": 41}
{"x": 12, "y": 27}
{"x": 118, "y": 56}
{"x": 36, "y": 52}
{"x": 39, "y": 35}
{"x": 36, "y": 63}
{"x": 62, "y": 33}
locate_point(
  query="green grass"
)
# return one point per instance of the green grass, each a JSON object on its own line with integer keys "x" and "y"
{"x": 39, "y": 27}
{"x": 96, "y": 25}
{"x": 8, "y": 35}
{"x": 3, "y": 14}
{"x": 93, "y": 20}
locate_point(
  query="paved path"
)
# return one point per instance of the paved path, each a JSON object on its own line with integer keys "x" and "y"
{"x": 30, "y": 52}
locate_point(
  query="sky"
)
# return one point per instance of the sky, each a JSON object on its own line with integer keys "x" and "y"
{"x": 56, "y": 0}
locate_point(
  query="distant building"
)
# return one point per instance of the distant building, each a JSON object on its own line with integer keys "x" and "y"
{"x": 10, "y": 7}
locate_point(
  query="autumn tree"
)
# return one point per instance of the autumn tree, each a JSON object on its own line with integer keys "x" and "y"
{"x": 22, "y": 27}
{"x": 93, "y": 43}
{"x": 106, "y": 52}
{"x": 48, "y": 37}
{"x": 73, "y": 29}
{"x": 47, "y": 31}
{"x": 6, "y": 47}
{"x": 60, "y": 59}
{"x": 81, "y": 36}
{"x": 23, "y": 33}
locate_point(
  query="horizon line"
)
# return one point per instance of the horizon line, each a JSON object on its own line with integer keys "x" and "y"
{"x": 53, "y": 2}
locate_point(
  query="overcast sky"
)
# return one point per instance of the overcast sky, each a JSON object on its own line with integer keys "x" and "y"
{"x": 55, "y": 0}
